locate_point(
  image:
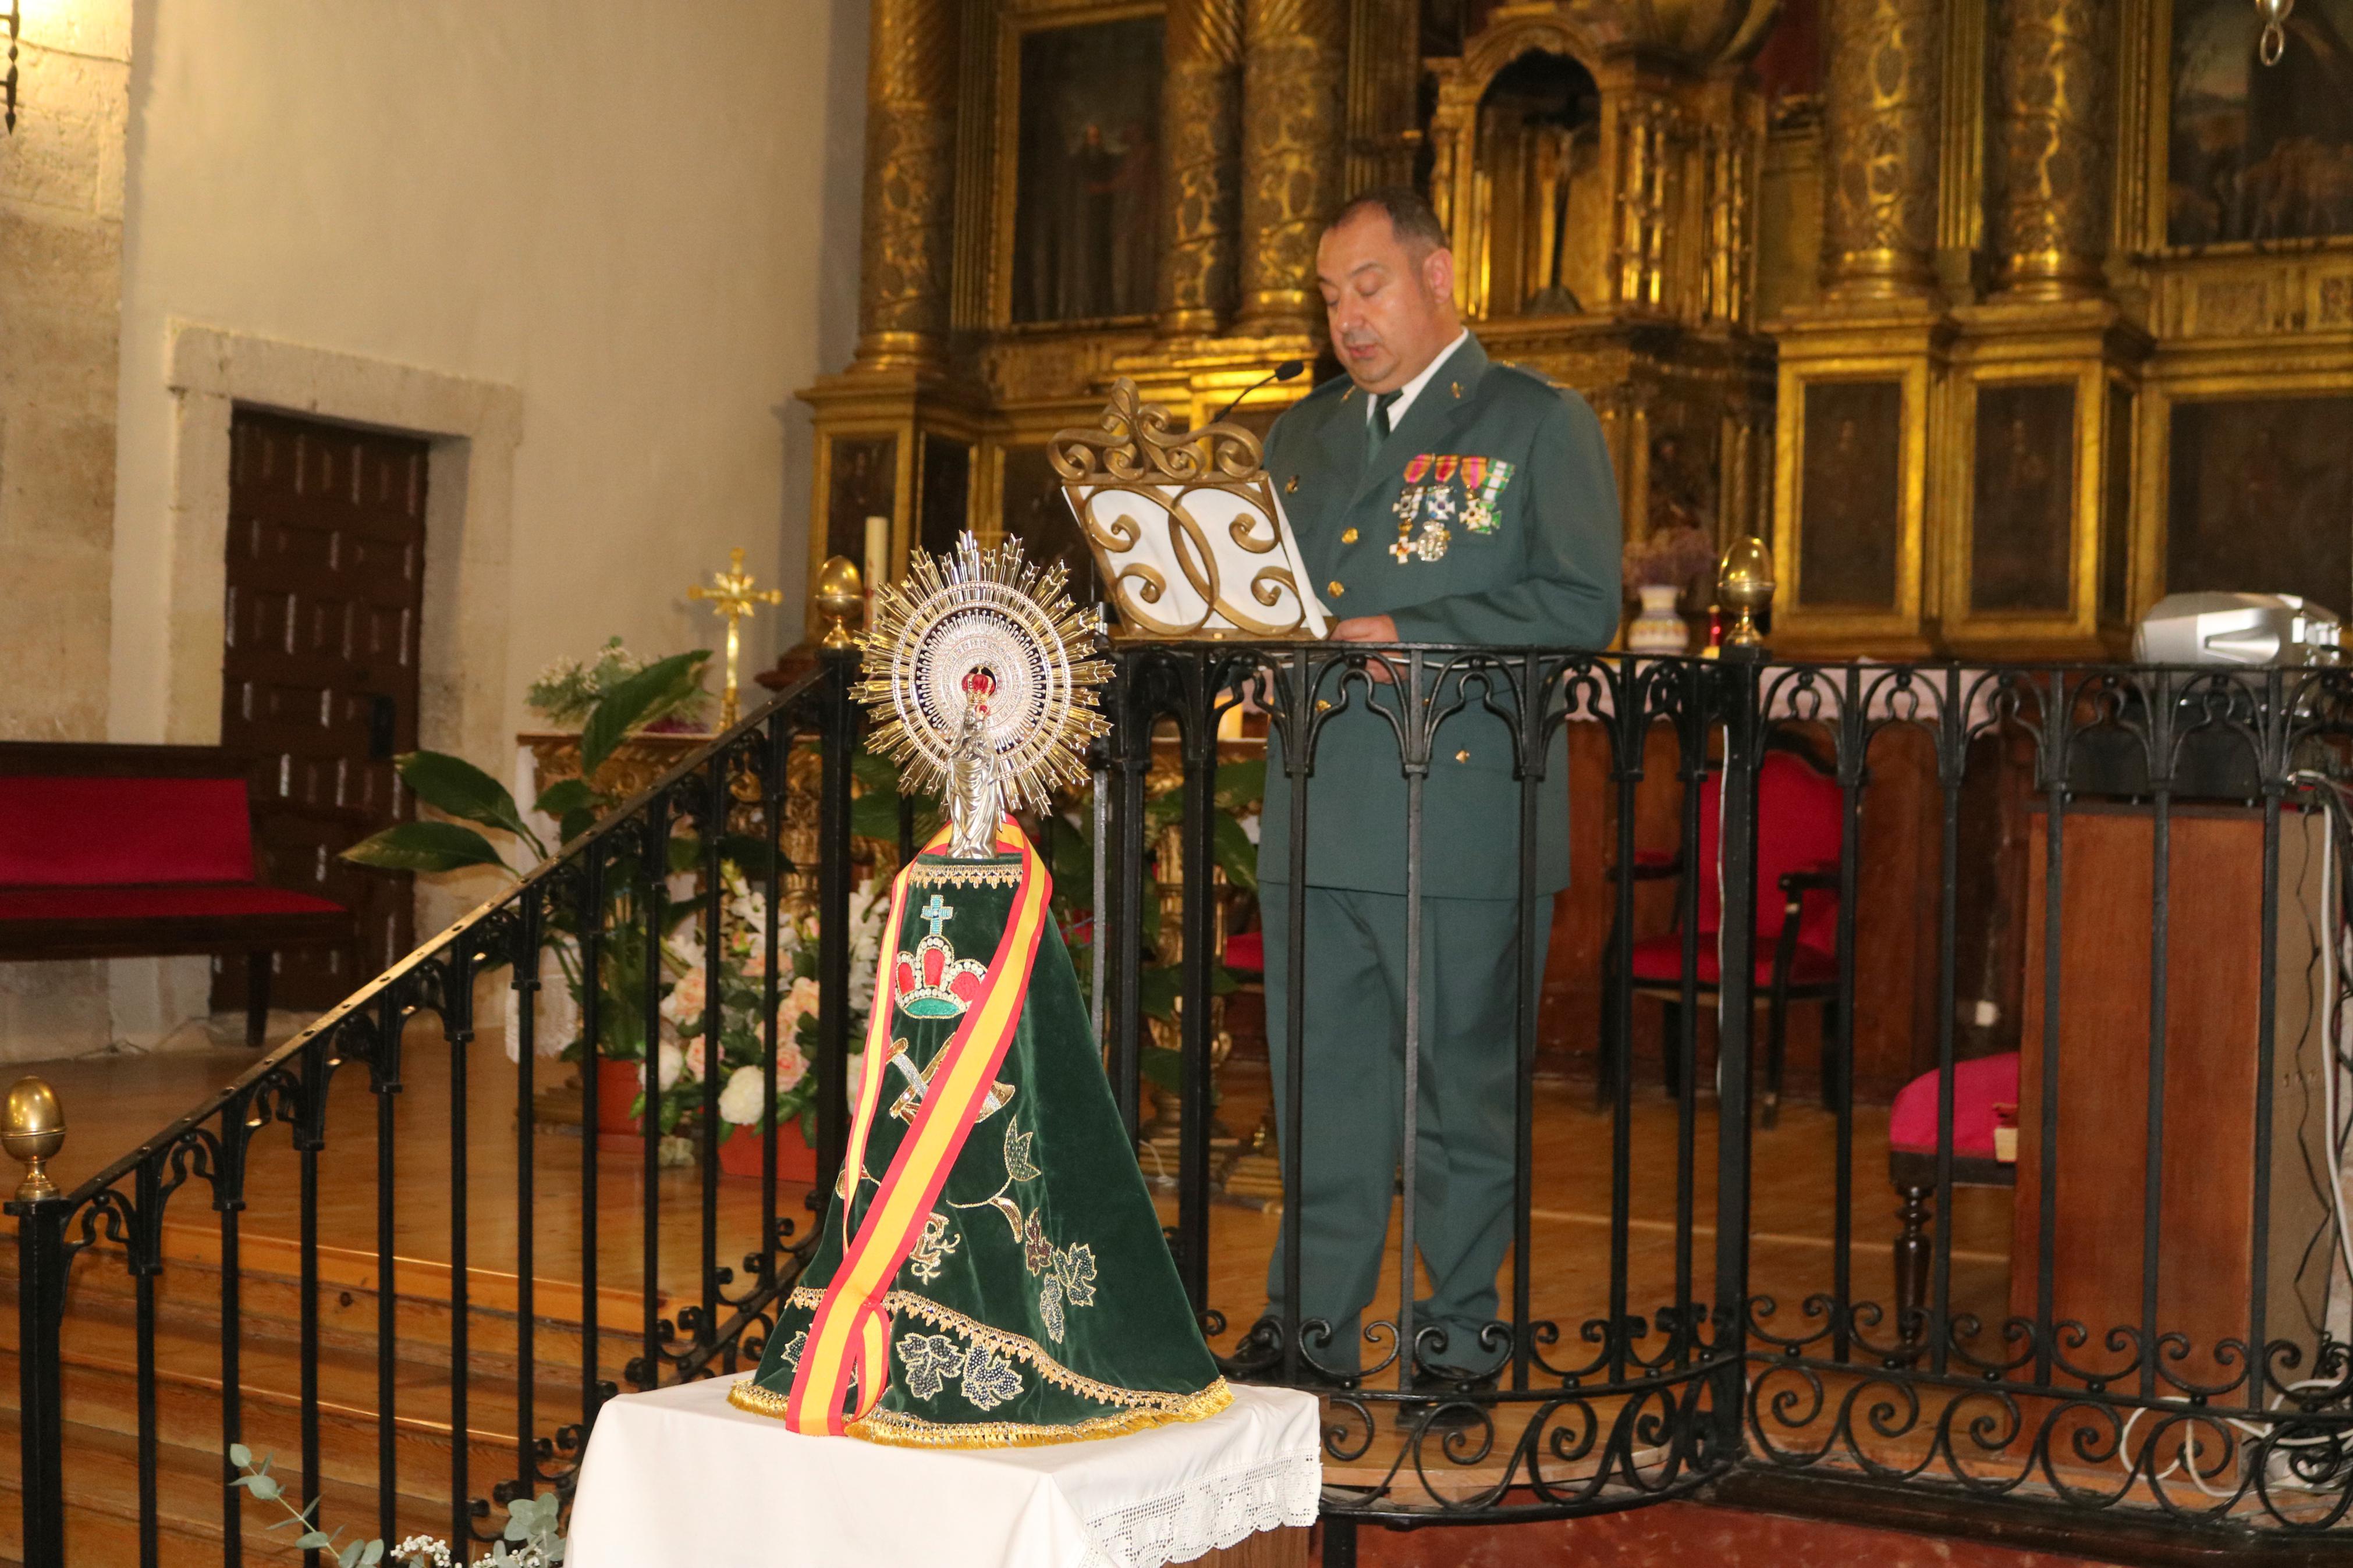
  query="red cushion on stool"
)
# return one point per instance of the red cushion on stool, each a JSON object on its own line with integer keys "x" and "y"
{"x": 1979, "y": 1086}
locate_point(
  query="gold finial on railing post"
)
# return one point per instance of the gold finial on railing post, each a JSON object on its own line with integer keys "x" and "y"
{"x": 1745, "y": 582}
{"x": 32, "y": 1131}
{"x": 839, "y": 596}
{"x": 731, "y": 595}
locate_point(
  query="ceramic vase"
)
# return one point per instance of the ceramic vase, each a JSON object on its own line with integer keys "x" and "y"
{"x": 1659, "y": 628}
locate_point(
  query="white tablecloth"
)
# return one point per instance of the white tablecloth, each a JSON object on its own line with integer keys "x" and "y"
{"x": 680, "y": 1476}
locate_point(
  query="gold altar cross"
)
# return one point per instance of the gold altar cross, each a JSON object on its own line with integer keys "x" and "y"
{"x": 731, "y": 595}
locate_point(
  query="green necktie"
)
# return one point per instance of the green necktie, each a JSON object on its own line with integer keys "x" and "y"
{"x": 1382, "y": 403}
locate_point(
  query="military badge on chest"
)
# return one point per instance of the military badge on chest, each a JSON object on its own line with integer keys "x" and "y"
{"x": 1439, "y": 491}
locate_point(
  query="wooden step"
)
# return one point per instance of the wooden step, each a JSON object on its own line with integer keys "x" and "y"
{"x": 187, "y": 1290}
{"x": 100, "y": 1384}
{"x": 102, "y": 1505}
{"x": 101, "y": 1390}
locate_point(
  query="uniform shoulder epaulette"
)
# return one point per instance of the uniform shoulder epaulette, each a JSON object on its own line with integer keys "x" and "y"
{"x": 1542, "y": 378}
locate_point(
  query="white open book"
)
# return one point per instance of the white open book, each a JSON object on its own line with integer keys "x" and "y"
{"x": 1186, "y": 528}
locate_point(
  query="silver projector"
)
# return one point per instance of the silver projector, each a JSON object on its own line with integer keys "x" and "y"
{"x": 2255, "y": 629}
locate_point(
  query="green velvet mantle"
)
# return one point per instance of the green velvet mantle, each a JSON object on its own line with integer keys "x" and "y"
{"x": 1040, "y": 1305}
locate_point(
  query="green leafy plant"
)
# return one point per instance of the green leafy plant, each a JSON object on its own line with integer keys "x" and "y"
{"x": 568, "y": 690}
{"x": 531, "y": 1538}
{"x": 459, "y": 789}
{"x": 482, "y": 807}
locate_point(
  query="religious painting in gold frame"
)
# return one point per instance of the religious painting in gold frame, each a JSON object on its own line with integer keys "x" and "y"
{"x": 1077, "y": 219}
{"x": 2256, "y": 153}
{"x": 2023, "y": 499}
{"x": 1850, "y": 479}
{"x": 2259, "y": 496}
{"x": 2037, "y": 469}
{"x": 2204, "y": 425}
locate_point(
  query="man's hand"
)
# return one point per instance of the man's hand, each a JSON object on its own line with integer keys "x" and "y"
{"x": 1368, "y": 628}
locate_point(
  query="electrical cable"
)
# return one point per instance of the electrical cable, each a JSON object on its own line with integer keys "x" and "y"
{"x": 2338, "y": 812}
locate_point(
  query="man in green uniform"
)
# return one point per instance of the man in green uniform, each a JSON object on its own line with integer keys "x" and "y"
{"x": 1437, "y": 497}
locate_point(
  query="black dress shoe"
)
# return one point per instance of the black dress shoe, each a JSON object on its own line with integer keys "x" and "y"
{"x": 1446, "y": 1399}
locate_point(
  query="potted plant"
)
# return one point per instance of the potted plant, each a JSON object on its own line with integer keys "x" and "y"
{"x": 471, "y": 801}
{"x": 623, "y": 700}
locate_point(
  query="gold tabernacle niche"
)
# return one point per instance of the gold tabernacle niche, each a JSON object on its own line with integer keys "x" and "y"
{"x": 1187, "y": 531}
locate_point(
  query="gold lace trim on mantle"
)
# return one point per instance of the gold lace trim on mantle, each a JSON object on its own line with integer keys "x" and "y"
{"x": 1140, "y": 1408}
{"x": 897, "y": 1429}
{"x": 968, "y": 874}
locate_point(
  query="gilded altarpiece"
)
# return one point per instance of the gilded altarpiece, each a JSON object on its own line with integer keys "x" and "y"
{"x": 2101, "y": 248}
{"x": 2023, "y": 256}
{"x": 1612, "y": 153}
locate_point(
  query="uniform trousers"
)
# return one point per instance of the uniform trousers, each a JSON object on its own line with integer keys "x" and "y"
{"x": 1354, "y": 1124}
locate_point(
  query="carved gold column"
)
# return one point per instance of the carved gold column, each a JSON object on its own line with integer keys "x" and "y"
{"x": 909, "y": 238}
{"x": 1880, "y": 112}
{"x": 1201, "y": 174}
{"x": 2052, "y": 142}
{"x": 1294, "y": 99}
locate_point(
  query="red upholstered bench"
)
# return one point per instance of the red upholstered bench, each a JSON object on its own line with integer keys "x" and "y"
{"x": 144, "y": 852}
{"x": 1980, "y": 1086}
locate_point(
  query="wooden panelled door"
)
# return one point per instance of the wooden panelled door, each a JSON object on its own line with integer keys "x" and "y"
{"x": 326, "y": 564}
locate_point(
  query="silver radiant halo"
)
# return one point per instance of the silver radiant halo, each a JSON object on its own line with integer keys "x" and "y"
{"x": 985, "y": 609}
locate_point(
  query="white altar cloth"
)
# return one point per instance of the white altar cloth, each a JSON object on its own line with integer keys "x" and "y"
{"x": 678, "y": 1476}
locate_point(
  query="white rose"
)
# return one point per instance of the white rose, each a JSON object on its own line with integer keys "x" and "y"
{"x": 739, "y": 1102}
{"x": 673, "y": 1062}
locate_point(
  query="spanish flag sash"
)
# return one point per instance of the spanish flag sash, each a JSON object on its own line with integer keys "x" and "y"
{"x": 846, "y": 1365}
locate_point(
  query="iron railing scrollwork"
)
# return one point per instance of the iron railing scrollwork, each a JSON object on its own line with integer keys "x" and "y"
{"x": 1653, "y": 1334}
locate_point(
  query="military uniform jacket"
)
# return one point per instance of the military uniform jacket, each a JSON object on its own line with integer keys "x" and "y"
{"x": 1488, "y": 516}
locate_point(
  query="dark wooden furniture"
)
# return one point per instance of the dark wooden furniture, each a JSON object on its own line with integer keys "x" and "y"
{"x": 2206, "y": 1177}
{"x": 145, "y": 852}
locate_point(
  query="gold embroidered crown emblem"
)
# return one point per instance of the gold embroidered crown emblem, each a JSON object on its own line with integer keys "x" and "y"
{"x": 932, "y": 982}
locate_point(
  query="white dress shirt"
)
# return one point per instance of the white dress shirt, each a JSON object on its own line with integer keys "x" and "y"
{"x": 1412, "y": 389}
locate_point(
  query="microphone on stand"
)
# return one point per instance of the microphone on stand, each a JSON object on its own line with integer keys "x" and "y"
{"x": 1282, "y": 372}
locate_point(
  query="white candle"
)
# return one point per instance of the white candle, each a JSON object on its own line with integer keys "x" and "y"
{"x": 878, "y": 553}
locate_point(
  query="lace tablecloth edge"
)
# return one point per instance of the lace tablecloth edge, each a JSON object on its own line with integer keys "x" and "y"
{"x": 1210, "y": 1514}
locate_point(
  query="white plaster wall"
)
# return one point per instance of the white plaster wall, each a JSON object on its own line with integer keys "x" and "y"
{"x": 60, "y": 281}
{"x": 642, "y": 218}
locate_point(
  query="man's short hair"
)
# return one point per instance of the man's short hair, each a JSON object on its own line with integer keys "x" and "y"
{"x": 1411, "y": 219}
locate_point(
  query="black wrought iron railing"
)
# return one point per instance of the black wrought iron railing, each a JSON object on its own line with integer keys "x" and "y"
{"x": 2116, "y": 885}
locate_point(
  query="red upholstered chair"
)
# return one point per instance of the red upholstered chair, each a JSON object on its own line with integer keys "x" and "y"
{"x": 1980, "y": 1086}
{"x": 1800, "y": 827}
